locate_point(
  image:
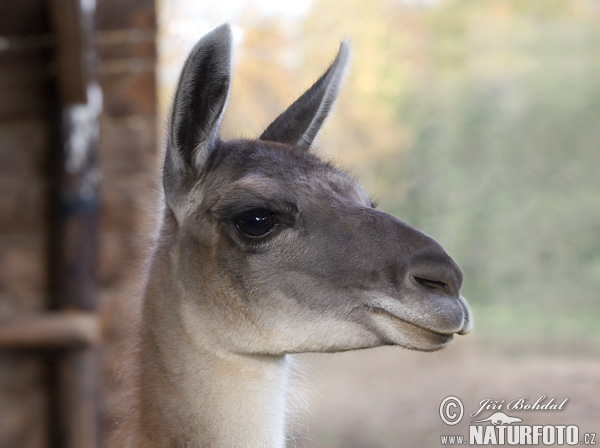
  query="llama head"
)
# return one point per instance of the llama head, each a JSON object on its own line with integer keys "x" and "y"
{"x": 280, "y": 252}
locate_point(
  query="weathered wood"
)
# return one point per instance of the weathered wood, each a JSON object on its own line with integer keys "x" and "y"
{"x": 54, "y": 384}
{"x": 117, "y": 14}
{"x": 78, "y": 381}
{"x": 72, "y": 49}
{"x": 76, "y": 219}
{"x": 76, "y": 260}
{"x": 50, "y": 330}
{"x": 125, "y": 144}
{"x": 129, "y": 92}
{"x": 128, "y": 43}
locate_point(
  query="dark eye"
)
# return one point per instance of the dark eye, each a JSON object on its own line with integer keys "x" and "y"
{"x": 256, "y": 223}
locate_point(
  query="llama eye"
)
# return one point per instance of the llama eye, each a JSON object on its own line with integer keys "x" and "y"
{"x": 256, "y": 223}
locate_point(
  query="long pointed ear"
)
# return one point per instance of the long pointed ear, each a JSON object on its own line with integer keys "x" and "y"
{"x": 301, "y": 122}
{"x": 198, "y": 106}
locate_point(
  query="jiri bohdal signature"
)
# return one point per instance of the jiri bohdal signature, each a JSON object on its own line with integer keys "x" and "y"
{"x": 520, "y": 404}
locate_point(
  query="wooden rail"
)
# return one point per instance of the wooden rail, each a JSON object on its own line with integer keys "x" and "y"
{"x": 64, "y": 330}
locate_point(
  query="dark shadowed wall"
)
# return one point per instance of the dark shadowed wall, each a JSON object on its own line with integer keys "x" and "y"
{"x": 124, "y": 66}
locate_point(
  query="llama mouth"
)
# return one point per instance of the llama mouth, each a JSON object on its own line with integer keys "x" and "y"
{"x": 411, "y": 335}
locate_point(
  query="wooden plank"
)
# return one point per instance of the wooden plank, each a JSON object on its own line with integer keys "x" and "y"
{"x": 30, "y": 47}
{"x": 74, "y": 257}
{"x": 128, "y": 43}
{"x": 117, "y": 14}
{"x": 74, "y": 263}
{"x": 127, "y": 147}
{"x": 50, "y": 330}
{"x": 129, "y": 93}
{"x": 72, "y": 47}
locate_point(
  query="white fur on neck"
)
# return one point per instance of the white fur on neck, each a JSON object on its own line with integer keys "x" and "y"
{"x": 195, "y": 398}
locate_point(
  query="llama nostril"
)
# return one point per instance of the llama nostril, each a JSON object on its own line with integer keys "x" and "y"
{"x": 432, "y": 284}
{"x": 444, "y": 278}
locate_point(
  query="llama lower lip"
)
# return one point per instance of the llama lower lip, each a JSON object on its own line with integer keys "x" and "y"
{"x": 433, "y": 339}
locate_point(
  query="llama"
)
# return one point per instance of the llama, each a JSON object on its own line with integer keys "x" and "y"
{"x": 265, "y": 251}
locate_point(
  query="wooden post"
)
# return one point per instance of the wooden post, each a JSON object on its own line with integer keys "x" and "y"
{"x": 76, "y": 397}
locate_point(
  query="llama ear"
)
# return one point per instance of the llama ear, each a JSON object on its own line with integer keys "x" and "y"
{"x": 199, "y": 103}
{"x": 301, "y": 122}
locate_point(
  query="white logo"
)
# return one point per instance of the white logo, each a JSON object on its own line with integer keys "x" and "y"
{"x": 448, "y": 412}
{"x": 502, "y": 429}
{"x": 499, "y": 418}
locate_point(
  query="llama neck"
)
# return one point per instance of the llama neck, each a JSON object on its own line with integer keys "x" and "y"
{"x": 194, "y": 395}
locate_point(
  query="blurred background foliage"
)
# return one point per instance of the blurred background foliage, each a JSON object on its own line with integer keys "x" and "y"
{"x": 477, "y": 122}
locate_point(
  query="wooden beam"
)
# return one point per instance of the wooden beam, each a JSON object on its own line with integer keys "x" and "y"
{"x": 76, "y": 402}
{"x": 72, "y": 49}
{"x": 68, "y": 330}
